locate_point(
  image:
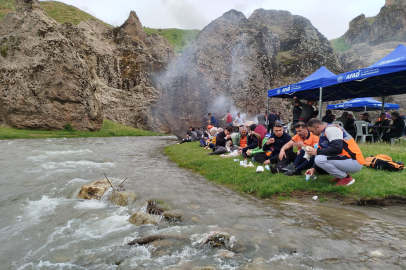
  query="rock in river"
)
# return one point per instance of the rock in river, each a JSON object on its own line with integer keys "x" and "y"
{"x": 94, "y": 190}
{"x": 123, "y": 198}
{"x": 139, "y": 219}
{"x": 173, "y": 215}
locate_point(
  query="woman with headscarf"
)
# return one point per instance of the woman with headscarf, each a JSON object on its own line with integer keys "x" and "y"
{"x": 252, "y": 141}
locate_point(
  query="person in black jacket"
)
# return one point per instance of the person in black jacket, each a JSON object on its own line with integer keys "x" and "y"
{"x": 252, "y": 142}
{"x": 272, "y": 148}
{"x": 399, "y": 125}
{"x": 296, "y": 115}
{"x": 272, "y": 118}
{"x": 327, "y": 117}
{"x": 221, "y": 140}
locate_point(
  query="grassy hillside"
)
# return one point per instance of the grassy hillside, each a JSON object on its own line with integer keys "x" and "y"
{"x": 178, "y": 38}
{"x": 60, "y": 12}
{"x": 339, "y": 44}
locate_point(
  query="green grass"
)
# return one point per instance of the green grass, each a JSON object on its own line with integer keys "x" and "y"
{"x": 108, "y": 129}
{"x": 178, "y": 38}
{"x": 370, "y": 183}
{"x": 58, "y": 11}
{"x": 339, "y": 44}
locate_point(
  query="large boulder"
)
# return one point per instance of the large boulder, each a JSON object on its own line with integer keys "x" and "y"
{"x": 94, "y": 190}
{"x": 173, "y": 215}
{"x": 140, "y": 218}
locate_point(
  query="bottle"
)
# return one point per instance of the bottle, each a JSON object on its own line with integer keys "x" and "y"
{"x": 245, "y": 161}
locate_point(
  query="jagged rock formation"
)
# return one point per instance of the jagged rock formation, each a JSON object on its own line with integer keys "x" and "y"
{"x": 363, "y": 55}
{"x": 241, "y": 59}
{"x": 53, "y": 74}
{"x": 389, "y": 25}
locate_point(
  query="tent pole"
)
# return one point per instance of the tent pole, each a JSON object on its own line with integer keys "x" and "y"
{"x": 320, "y": 101}
{"x": 383, "y": 104}
{"x": 365, "y": 108}
{"x": 267, "y": 113}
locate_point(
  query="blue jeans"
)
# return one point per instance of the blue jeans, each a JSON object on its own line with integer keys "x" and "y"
{"x": 230, "y": 124}
{"x": 301, "y": 163}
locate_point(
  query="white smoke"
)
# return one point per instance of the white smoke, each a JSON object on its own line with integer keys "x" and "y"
{"x": 222, "y": 104}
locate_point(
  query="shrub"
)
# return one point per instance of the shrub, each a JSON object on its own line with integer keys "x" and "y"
{"x": 4, "y": 50}
{"x": 68, "y": 127}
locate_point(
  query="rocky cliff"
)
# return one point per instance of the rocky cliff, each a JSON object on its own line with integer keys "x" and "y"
{"x": 389, "y": 25}
{"x": 53, "y": 74}
{"x": 240, "y": 59}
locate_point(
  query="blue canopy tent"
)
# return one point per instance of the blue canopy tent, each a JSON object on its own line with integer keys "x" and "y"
{"x": 362, "y": 104}
{"x": 314, "y": 81}
{"x": 385, "y": 77}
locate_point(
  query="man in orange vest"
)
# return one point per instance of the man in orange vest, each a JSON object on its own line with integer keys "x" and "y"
{"x": 338, "y": 153}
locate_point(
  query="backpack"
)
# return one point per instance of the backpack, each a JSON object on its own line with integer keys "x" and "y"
{"x": 383, "y": 162}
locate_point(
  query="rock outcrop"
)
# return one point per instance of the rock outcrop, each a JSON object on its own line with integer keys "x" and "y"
{"x": 389, "y": 25}
{"x": 53, "y": 74}
{"x": 241, "y": 59}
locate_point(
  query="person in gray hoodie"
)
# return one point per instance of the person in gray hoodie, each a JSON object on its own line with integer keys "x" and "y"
{"x": 307, "y": 110}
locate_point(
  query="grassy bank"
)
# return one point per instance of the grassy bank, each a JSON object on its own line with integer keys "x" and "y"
{"x": 108, "y": 129}
{"x": 370, "y": 183}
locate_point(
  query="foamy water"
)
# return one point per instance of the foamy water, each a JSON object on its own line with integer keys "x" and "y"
{"x": 44, "y": 225}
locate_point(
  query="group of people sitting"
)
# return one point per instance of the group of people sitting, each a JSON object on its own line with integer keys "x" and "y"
{"x": 322, "y": 148}
{"x": 386, "y": 132}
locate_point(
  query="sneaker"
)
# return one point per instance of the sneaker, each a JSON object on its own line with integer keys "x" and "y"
{"x": 335, "y": 179}
{"x": 288, "y": 168}
{"x": 346, "y": 181}
{"x": 293, "y": 172}
{"x": 273, "y": 169}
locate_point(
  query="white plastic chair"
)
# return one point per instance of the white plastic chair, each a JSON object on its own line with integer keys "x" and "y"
{"x": 339, "y": 123}
{"x": 360, "y": 131}
{"x": 393, "y": 140}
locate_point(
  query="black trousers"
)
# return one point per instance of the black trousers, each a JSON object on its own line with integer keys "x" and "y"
{"x": 270, "y": 127}
{"x": 387, "y": 136}
{"x": 290, "y": 157}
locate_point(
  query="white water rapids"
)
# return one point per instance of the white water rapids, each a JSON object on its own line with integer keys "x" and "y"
{"x": 44, "y": 225}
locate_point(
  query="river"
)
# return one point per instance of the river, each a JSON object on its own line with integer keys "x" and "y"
{"x": 44, "y": 225}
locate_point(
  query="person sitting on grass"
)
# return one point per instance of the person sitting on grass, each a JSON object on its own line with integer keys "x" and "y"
{"x": 189, "y": 137}
{"x": 252, "y": 142}
{"x": 338, "y": 153}
{"x": 259, "y": 149}
{"x": 397, "y": 132}
{"x": 200, "y": 137}
{"x": 240, "y": 139}
{"x": 211, "y": 142}
{"x": 275, "y": 143}
{"x": 221, "y": 140}
{"x": 302, "y": 139}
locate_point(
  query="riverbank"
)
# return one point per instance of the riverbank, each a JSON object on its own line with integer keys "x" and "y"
{"x": 371, "y": 186}
{"x": 108, "y": 129}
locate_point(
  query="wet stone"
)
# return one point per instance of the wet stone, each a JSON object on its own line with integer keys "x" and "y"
{"x": 195, "y": 219}
{"x": 139, "y": 219}
{"x": 173, "y": 215}
{"x": 123, "y": 198}
{"x": 94, "y": 190}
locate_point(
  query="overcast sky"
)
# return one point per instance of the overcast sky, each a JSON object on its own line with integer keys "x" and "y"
{"x": 331, "y": 18}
